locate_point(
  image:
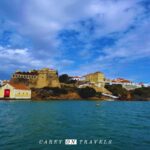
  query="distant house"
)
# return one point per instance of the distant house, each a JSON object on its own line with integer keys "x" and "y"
{"x": 77, "y": 78}
{"x": 127, "y": 84}
{"x": 15, "y": 91}
{"x": 122, "y": 81}
{"x": 5, "y": 82}
{"x": 1, "y": 82}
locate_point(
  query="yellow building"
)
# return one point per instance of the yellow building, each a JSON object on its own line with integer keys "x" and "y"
{"x": 96, "y": 78}
{"x": 47, "y": 78}
{"x": 15, "y": 91}
{"x": 37, "y": 78}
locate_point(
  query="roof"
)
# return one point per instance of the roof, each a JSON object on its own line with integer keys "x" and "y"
{"x": 19, "y": 86}
{"x": 121, "y": 80}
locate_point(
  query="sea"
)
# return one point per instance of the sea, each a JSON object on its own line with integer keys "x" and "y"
{"x": 74, "y": 124}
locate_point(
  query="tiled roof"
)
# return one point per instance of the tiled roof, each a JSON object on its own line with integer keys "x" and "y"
{"x": 121, "y": 80}
{"x": 19, "y": 86}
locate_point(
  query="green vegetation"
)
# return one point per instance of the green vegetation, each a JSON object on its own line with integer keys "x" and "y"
{"x": 137, "y": 94}
{"x": 118, "y": 90}
{"x": 87, "y": 92}
{"x": 64, "y": 78}
{"x": 98, "y": 94}
{"x": 56, "y": 91}
{"x": 141, "y": 93}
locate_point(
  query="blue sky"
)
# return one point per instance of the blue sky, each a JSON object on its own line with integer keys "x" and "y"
{"x": 76, "y": 37}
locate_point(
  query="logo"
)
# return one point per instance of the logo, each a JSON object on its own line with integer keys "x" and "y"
{"x": 70, "y": 142}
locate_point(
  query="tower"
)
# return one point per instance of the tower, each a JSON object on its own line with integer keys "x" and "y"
{"x": 42, "y": 79}
{"x": 47, "y": 78}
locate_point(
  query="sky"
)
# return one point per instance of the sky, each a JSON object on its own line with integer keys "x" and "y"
{"x": 76, "y": 37}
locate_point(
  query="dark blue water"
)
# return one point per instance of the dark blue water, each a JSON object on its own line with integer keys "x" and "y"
{"x": 24, "y": 123}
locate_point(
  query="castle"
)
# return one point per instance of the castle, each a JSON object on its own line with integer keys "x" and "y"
{"x": 37, "y": 78}
{"x": 96, "y": 78}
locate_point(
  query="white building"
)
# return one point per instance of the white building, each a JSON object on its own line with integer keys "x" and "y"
{"x": 1, "y": 82}
{"x": 129, "y": 85}
{"x": 15, "y": 91}
{"x": 78, "y": 78}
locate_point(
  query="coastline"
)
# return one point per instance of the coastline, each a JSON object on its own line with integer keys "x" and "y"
{"x": 76, "y": 99}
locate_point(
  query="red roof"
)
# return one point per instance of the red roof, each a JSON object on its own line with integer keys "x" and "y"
{"x": 121, "y": 80}
{"x": 19, "y": 86}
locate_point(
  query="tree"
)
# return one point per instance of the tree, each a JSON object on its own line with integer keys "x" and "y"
{"x": 98, "y": 94}
{"x": 118, "y": 90}
{"x": 55, "y": 90}
{"x": 87, "y": 92}
{"x": 141, "y": 93}
{"x": 66, "y": 79}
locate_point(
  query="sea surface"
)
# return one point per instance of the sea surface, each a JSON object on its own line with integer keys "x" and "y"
{"x": 27, "y": 125}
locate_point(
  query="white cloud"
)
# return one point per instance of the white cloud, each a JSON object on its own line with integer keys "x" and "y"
{"x": 133, "y": 45}
{"x": 114, "y": 16}
{"x": 42, "y": 20}
{"x": 20, "y": 59}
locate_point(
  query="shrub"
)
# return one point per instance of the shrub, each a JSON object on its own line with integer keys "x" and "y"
{"x": 98, "y": 94}
{"x": 86, "y": 92}
{"x": 143, "y": 92}
{"x": 117, "y": 90}
{"x": 54, "y": 91}
{"x": 66, "y": 79}
{"x": 59, "y": 91}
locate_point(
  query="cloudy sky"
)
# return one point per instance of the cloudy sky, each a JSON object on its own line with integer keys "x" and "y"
{"x": 76, "y": 37}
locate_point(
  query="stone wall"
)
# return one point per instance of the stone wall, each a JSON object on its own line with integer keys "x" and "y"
{"x": 43, "y": 78}
{"x": 97, "y": 78}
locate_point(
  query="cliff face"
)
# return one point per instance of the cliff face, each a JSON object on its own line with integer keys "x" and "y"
{"x": 67, "y": 93}
{"x": 51, "y": 94}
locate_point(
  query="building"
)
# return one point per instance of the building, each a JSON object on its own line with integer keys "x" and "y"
{"x": 127, "y": 84}
{"x": 77, "y": 78}
{"x": 37, "y": 78}
{"x": 121, "y": 81}
{"x": 1, "y": 82}
{"x": 97, "y": 78}
{"x": 15, "y": 91}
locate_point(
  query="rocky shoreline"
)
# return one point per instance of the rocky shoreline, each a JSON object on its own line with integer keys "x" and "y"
{"x": 74, "y": 94}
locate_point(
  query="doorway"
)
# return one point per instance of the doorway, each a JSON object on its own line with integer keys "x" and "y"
{"x": 7, "y": 93}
